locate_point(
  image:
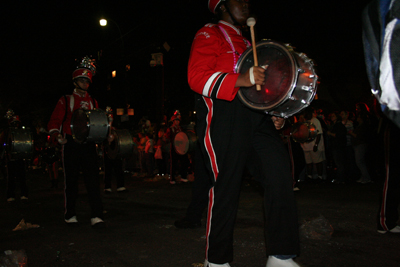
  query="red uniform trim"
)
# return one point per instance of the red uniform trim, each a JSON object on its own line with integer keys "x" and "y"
{"x": 209, "y": 217}
{"x": 207, "y": 139}
{"x": 385, "y": 185}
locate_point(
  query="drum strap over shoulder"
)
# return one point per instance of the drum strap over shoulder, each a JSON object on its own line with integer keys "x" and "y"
{"x": 234, "y": 52}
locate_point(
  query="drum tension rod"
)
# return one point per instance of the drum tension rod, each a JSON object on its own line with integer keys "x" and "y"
{"x": 307, "y": 88}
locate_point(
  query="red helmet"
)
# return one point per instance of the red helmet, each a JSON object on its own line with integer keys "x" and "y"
{"x": 82, "y": 73}
{"x": 86, "y": 69}
{"x": 175, "y": 117}
{"x": 14, "y": 120}
{"x": 212, "y": 5}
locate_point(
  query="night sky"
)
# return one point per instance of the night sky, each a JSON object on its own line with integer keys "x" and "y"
{"x": 42, "y": 40}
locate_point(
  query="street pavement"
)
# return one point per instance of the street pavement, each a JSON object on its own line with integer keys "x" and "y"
{"x": 337, "y": 223}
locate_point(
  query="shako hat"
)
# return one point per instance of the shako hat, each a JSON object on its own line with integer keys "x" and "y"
{"x": 85, "y": 69}
{"x": 212, "y": 5}
{"x": 175, "y": 117}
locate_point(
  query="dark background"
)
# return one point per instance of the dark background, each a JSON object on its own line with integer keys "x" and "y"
{"x": 43, "y": 39}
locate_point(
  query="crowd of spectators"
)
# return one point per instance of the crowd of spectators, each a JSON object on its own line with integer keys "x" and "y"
{"x": 352, "y": 150}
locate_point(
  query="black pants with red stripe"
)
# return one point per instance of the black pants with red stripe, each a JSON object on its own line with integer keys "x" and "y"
{"x": 388, "y": 214}
{"x": 231, "y": 138}
{"x": 76, "y": 158}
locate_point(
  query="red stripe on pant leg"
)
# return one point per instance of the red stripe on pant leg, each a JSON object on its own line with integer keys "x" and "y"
{"x": 209, "y": 217}
{"x": 214, "y": 167}
{"x": 207, "y": 139}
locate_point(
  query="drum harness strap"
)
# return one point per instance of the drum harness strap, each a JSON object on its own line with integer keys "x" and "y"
{"x": 234, "y": 52}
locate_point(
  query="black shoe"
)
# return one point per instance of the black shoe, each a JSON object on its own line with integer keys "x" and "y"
{"x": 184, "y": 223}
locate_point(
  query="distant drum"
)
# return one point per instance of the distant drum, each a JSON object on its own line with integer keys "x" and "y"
{"x": 19, "y": 144}
{"x": 185, "y": 142}
{"x": 304, "y": 132}
{"x": 122, "y": 145}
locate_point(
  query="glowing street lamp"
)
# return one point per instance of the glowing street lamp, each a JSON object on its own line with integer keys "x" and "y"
{"x": 103, "y": 22}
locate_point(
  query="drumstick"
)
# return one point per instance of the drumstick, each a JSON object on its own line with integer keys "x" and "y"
{"x": 251, "y": 22}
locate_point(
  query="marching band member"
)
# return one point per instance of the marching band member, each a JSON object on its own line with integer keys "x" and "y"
{"x": 232, "y": 136}
{"x": 15, "y": 167}
{"x": 179, "y": 163}
{"x": 112, "y": 166}
{"x": 78, "y": 157}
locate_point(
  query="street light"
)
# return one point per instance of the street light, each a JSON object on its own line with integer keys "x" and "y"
{"x": 103, "y": 22}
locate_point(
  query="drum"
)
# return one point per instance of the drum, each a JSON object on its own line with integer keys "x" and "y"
{"x": 19, "y": 144}
{"x": 122, "y": 146}
{"x": 304, "y": 132}
{"x": 185, "y": 142}
{"x": 290, "y": 82}
{"x": 89, "y": 125}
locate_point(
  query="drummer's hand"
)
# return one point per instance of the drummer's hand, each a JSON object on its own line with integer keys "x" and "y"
{"x": 244, "y": 78}
{"x": 61, "y": 140}
{"x": 278, "y": 122}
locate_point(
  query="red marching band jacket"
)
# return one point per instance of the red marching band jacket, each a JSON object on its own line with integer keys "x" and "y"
{"x": 58, "y": 121}
{"x": 212, "y": 60}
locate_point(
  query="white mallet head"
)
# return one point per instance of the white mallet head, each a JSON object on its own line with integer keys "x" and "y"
{"x": 251, "y": 22}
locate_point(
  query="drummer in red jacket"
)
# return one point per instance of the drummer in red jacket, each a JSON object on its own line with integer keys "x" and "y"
{"x": 178, "y": 163}
{"x": 78, "y": 156}
{"x": 232, "y": 136}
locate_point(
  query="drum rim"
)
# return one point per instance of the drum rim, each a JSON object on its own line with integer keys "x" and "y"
{"x": 289, "y": 52}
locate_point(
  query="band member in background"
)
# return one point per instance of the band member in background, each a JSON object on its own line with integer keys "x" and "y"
{"x": 16, "y": 168}
{"x": 112, "y": 166}
{"x": 179, "y": 163}
{"x": 232, "y": 136}
{"x": 78, "y": 157}
{"x": 296, "y": 153}
{"x": 314, "y": 151}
